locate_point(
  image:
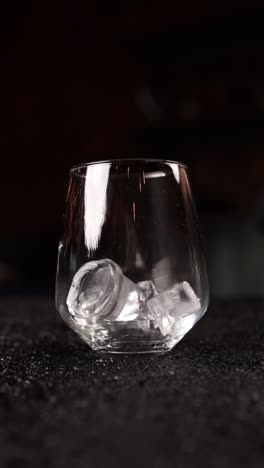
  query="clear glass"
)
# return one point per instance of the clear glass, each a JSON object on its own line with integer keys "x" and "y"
{"x": 131, "y": 276}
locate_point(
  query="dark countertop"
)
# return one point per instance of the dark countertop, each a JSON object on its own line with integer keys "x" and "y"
{"x": 62, "y": 405}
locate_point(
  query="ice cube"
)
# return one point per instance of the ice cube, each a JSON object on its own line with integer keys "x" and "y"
{"x": 131, "y": 300}
{"x": 170, "y": 310}
{"x": 99, "y": 290}
{"x": 148, "y": 287}
{"x": 149, "y": 290}
{"x": 95, "y": 289}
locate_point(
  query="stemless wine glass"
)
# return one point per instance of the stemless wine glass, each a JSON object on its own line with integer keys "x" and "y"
{"x": 131, "y": 277}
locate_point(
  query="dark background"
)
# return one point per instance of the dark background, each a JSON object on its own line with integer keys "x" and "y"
{"x": 93, "y": 80}
{"x": 180, "y": 80}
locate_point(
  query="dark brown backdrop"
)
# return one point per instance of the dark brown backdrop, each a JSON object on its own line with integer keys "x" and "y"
{"x": 105, "y": 79}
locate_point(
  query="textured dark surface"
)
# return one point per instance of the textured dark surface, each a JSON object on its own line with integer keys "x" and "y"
{"x": 63, "y": 405}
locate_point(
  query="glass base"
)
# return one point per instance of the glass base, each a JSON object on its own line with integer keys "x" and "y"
{"x": 127, "y": 338}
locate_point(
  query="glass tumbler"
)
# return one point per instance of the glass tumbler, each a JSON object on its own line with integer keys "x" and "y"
{"x": 131, "y": 276}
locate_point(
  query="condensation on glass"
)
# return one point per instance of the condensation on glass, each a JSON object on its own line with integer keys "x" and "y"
{"x": 131, "y": 276}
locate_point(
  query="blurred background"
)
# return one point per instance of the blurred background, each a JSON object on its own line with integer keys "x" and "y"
{"x": 179, "y": 80}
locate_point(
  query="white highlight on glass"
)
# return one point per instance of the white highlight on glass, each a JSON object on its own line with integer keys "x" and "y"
{"x": 96, "y": 182}
{"x": 175, "y": 169}
{"x": 154, "y": 175}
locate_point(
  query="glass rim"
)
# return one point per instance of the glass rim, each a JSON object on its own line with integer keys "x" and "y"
{"x": 128, "y": 160}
